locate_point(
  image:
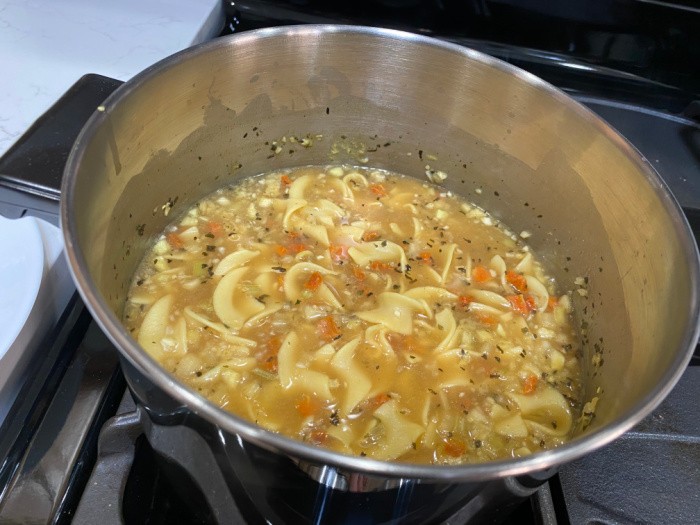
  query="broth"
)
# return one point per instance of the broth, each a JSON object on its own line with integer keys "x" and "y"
{"x": 367, "y": 312}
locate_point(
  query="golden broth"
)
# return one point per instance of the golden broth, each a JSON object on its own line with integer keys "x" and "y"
{"x": 363, "y": 311}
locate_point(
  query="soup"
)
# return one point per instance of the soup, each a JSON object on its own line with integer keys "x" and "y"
{"x": 363, "y": 311}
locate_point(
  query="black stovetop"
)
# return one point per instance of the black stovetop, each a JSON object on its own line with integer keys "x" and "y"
{"x": 72, "y": 449}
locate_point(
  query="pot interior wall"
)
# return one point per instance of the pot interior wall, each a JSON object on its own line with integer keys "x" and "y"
{"x": 506, "y": 141}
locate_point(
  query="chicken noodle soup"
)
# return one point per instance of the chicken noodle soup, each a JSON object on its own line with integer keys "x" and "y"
{"x": 362, "y": 311}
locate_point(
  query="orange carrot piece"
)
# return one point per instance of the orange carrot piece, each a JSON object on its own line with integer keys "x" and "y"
{"x": 318, "y": 437}
{"x": 551, "y": 303}
{"x": 486, "y": 319}
{"x": 298, "y": 247}
{"x": 280, "y": 250}
{"x": 328, "y": 329}
{"x": 481, "y": 274}
{"x": 315, "y": 280}
{"x": 379, "y": 265}
{"x": 174, "y": 240}
{"x": 339, "y": 252}
{"x": 375, "y": 402}
{"x": 215, "y": 228}
{"x": 285, "y": 180}
{"x": 370, "y": 235}
{"x": 358, "y": 273}
{"x": 268, "y": 358}
{"x": 530, "y": 384}
{"x": 454, "y": 447}
{"x": 404, "y": 343}
{"x": 307, "y": 405}
{"x": 426, "y": 258}
{"x": 378, "y": 190}
{"x": 518, "y": 304}
{"x": 517, "y": 281}
{"x": 464, "y": 300}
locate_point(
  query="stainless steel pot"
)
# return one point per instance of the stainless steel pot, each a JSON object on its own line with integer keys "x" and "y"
{"x": 218, "y": 112}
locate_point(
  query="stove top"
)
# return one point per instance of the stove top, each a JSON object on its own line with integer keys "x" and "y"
{"x": 72, "y": 448}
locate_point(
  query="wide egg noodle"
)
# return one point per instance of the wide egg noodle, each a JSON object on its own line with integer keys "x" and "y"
{"x": 400, "y": 432}
{"x": 499, "y": 266}
{"x": 314, "y": 231}
{"x": 395, "y": 312}
{"x": 446, "y": 323}
{"x": 381, "y": 353}
{"x": 431, "y": 294}
{"x": 298, "y": 188}
{"x": 232, "y": 303}
{"x": 491, "y": 299}
{"x": 287, "y": 359}
{"x": 313, "y": 382}
{"x": 327, "y": 211}
{"x": 384, "y": 251}
{"x": 357, "y": 384}
{"x": 546, "y": 410}
{"x": 226, "y": 333}
{"x": 293, "y": 205}
{"x": 292, "y": 376}
{"x": 449, "y": 259}
{"x": 512, "y": 426}
{"x": 356, "y": 179}
{"x": 154, "y": 326}
{"x": 539, "y": 292}
{"x": 235, "y": 260}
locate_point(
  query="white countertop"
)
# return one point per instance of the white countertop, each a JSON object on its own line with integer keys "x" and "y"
{"x": 46, "y": 45}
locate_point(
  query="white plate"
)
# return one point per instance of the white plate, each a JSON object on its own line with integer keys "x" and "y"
{"x": 21, "y": 273}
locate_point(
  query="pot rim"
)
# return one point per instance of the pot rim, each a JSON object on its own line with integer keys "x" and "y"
{"x": 235, "y": 425}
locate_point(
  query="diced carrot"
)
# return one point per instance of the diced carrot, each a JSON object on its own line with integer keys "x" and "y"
{"x": 378, "y": 190}
{"x": 268, "y": 358}
{"x": 280, "y": 250}
{"x": 464, "y": 300}
{"x": 315, "y": 280}
{"x": 270, "y": 364}
{"x": 379, "y": 265}
{"x": 215, "y": 228}
{"x": 358, "y": 273}
{"x": 454, "y": 447}
{"x": 551, "y": 303}
{"x": 328, "y": 329}
{"x": 293, "y": 235}
{"x": 375, "y": 402}
{"x": 403, "y": 343}
{"x": 307, "y": 405}
{"x": 370, "y": 235}
{"x": 481, "y": 274}
{"x": 486, "y": 319}
{"x": 530, "y": 384}
{"x": 174, "y": 240}
{"x": 517, "y": 281}
{"x": 297, "y": 247}
{"x": 318, "y": 437}
{"x": 285, "y": 180}
{"x": 426, "y": 258}
{"x": 518, "y": 304}
{"x": 339, "y": 252}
